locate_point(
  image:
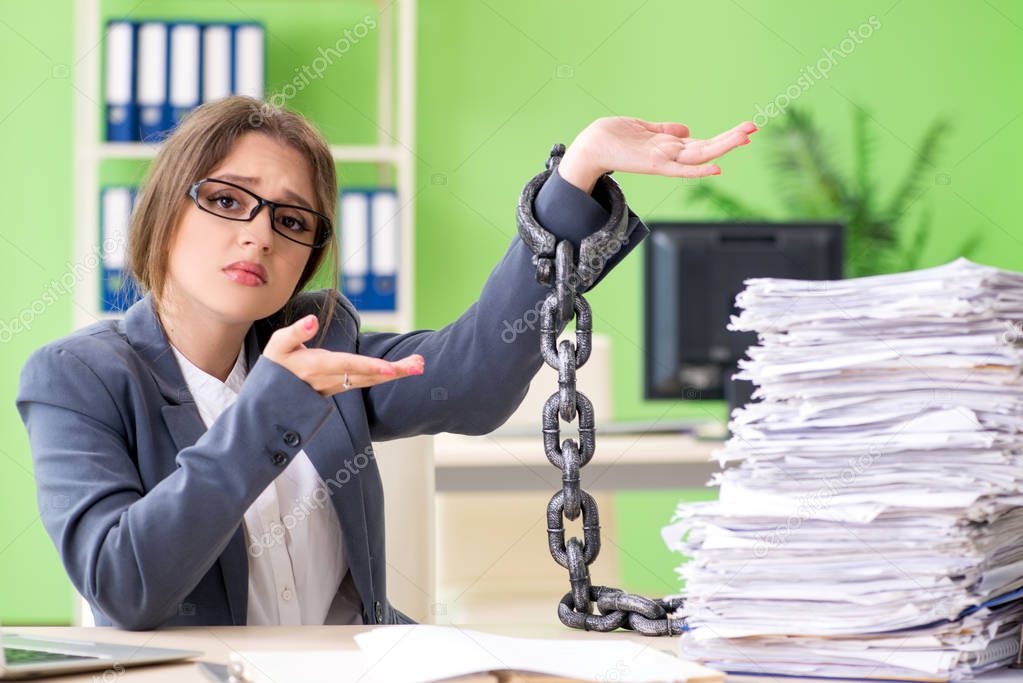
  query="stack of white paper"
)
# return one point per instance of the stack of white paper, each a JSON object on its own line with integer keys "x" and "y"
{"x": 872, "y": 523}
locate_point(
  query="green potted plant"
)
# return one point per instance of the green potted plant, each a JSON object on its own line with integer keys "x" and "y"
{"x": 811, "y": 187}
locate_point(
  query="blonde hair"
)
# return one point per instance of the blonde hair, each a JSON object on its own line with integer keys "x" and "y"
{"x": 201, "y": 141}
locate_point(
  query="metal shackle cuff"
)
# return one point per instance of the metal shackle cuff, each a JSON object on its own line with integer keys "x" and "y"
{"x": 595, "y": 250}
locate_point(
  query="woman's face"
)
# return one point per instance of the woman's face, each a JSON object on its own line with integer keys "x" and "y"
{"x": 205, "y": 246}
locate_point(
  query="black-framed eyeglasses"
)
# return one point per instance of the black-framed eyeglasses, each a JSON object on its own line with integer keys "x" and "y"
{"x": 235, "y": 203}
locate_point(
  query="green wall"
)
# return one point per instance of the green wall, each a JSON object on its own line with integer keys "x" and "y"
{"x": 492, "y": 102}
{"x": 498, "y": 84}
{"x": 35, "y": 174}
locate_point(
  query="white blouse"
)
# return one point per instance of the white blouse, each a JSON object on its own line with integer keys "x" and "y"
{"x": 293, "y": 537}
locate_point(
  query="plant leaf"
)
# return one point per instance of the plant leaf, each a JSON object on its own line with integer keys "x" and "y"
{"x": 918, "y": 242}
{"x": 911, "y": 187}
{"x": 802, "y": 169}
{"x": 863, "y": 154}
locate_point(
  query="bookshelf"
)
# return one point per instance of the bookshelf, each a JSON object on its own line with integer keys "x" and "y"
{"x": 391, "y": 153}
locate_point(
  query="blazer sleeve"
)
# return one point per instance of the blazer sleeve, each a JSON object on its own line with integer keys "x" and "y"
{"x": 478, "y": 368}
{"x": 136, "y": 554}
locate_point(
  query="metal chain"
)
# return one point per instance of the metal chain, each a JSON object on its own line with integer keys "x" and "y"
{"x": 557, "y": 268}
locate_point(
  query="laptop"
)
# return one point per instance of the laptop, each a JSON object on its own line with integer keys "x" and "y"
{"x": 34, "y": 657}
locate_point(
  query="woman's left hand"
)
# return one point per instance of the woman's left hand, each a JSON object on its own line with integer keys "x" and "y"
{"x": 631, "y": 145}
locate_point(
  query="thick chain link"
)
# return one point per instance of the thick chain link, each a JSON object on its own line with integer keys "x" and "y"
{"x": 557, "y": 268}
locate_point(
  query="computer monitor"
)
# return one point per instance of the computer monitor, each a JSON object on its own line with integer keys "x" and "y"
{"x": 693, "y": 271}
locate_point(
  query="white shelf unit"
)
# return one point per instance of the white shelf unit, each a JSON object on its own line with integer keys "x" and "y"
{"x": 392, "y": 152}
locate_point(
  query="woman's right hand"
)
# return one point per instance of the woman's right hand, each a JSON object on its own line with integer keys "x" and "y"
{"x": 325, "y": 370}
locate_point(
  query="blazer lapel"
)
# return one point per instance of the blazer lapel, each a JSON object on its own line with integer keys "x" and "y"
{"x": 183, "y": 423}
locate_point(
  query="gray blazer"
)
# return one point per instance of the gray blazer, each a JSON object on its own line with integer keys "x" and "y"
{"x": 145, "y": 505}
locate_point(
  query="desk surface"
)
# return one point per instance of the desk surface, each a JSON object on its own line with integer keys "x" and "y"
{"x": 219, "y": 641}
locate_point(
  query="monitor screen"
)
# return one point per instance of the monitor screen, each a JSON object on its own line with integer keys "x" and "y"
{"x": 693, "y": 271}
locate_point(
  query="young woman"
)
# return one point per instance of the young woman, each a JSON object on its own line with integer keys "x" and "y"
{"x": 205, "y": 460}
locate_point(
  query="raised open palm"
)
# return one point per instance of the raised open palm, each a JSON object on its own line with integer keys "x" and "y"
{"x": 630, "y": 145}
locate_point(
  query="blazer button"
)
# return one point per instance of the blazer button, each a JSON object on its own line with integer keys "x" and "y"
{"x": 378, "y": 612}
{"x": 278, "y": 458}
{"x": 291, "y": 439}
